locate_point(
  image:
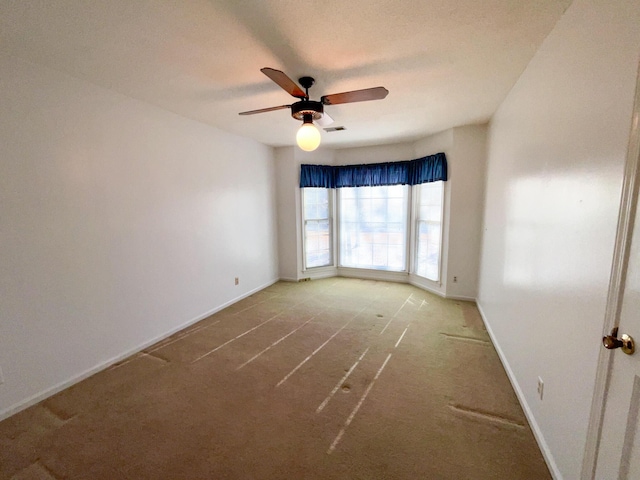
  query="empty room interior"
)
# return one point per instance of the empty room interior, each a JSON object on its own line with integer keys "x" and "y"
{"x": 408, "y": 279}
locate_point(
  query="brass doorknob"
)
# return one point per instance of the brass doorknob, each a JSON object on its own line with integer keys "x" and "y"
{"x": 625, "y": 342}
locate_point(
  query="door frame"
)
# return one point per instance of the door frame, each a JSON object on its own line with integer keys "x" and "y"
{"x": 622, "y": 247}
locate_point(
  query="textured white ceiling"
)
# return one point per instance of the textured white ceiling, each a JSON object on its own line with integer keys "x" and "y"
{"x": 444, "y": 62}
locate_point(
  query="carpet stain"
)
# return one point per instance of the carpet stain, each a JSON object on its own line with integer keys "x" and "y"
{"x": 487, "y": 416}
{"x": 472, "y": 316}
{"x": 179, "y": 336}
{"x": 49, "y": 472}
{"x": 464, "y": 338}
{"x": 155, "y": 356}
{"x": 57, "y": 418}
{"x": 35, "y": 471}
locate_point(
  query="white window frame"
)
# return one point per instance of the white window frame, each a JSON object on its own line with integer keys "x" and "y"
{"x": 408, "y": 236}
{"x": 416, "y": 232}
{"x": 332, "y": 244}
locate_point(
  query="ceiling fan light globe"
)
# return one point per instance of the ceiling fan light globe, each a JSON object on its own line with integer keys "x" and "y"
{"x": 308, "y": 137}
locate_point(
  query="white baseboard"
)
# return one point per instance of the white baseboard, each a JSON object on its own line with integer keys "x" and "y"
{"x": 288, "y": 279}
{"x": 382, "y": 275}
{"x": 38, "y": 397}
{"x": 321, "y": 273}
{"x": 462, "y": 298}
{"x": 364, "y": 274}
{"x": 537, "y": 433}
{"x": 435, "y": 288}
{"x": 428, "y": 285}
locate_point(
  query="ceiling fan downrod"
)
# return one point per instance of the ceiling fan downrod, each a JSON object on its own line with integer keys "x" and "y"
{"x": 306, "y": 83}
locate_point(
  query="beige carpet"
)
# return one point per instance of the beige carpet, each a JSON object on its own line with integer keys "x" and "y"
{"x": 328, "y": 379}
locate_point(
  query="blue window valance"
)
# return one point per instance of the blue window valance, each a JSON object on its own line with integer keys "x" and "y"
{"x": 411, "y": 172}
{"x": 317, "y": 176}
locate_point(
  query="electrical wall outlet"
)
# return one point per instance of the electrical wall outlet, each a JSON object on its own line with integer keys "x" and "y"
{"x": 237, "y": 280}
{"x": 540, "y": 388}
{"x": 455, "y": 279}
{"x": 1, "y": 377}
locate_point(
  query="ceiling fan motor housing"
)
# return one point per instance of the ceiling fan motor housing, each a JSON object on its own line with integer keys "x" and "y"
{"x": 307, "y": 107}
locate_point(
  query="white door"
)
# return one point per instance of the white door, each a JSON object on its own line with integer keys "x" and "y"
{"x": 618, "y": 455}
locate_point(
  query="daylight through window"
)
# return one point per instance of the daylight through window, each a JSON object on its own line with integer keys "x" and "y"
{"x": 317, "y": 227}
{"x": 429, "y": 230}
{"x": 373, "y": 227}
{"x": 388, "y": 216}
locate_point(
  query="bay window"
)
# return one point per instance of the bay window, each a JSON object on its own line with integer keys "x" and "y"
{"x": 374, "y": 215}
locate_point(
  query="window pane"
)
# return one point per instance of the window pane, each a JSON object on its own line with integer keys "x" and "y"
{"x": 379, "y": 255}
{"x": 323, "y": 210}
{"x": 380, "y": 237}
{"x": 348, "y": 210}
{"x": 429, "y": 230}
{"x": 373, "y": 227}
{"x": 317, "y": 227}
{"x": 364, "y": 254}
{"x": 379, "y": 210}
{"x": 434, "y": 213}
{"x": 396, "y": 208}
{"x": 347, "y": 193}
{"x": 397, "y": 256}
{"x": 308, "y": 210}
{"x": 323, "y": 258}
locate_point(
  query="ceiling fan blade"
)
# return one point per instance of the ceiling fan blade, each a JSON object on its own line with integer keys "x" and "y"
{"x": 324, "y": 120}
{"x": 262, "y": 110}
{"x": 284, "y": 82}
{"x": 376, "y": 93}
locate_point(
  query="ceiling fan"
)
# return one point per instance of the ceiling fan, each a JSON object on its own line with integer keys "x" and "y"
{"x": 308, "y": 137}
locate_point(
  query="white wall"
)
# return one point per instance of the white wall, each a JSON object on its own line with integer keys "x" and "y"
{"x": 119, "y": 223}
{"x": 438, "y": 142}
{"x": 396, "y": 152}
{"x": 556, "y": 153}
{"x": 288, "y": 215}
{"x": 467, "y": 172}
